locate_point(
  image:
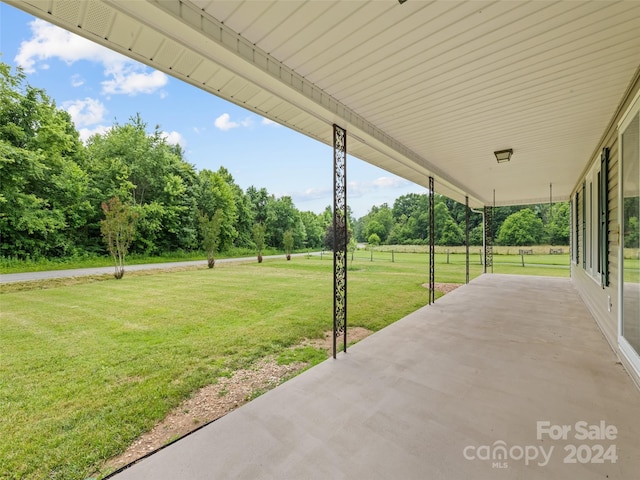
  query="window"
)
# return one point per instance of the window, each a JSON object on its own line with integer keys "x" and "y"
{"x": 630, "y": 230}
{"x": 594, "y": 220}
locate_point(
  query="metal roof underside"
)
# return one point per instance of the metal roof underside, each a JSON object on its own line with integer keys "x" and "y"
{"x": 423, "y": 88}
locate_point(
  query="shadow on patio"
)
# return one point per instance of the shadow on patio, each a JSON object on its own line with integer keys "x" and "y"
{"x": 459, "y": 389}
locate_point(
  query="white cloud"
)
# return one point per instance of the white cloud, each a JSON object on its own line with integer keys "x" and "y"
{"x": 49, "y": 41}
{"x": 314, "y": 193}
{"x": 127, "y": 79}
{"x": 224, "y": 122}
{"x": 77, "y": 80}
{"x": 390, "y": 182}
{"x": 124, "y": 75}
{"x": 174, "y": 138}
{"x": 85, "y": 112}
{"x": 355, "y": 189}
{"x": 266, "y": 121}
{"x": 359, "y": 189}
{"x": 86, "y": 133}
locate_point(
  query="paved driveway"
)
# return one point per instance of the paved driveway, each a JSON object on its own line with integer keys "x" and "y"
{"x": 79, "y": 272}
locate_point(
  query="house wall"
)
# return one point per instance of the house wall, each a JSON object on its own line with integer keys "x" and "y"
{"x": 602, "y": 301}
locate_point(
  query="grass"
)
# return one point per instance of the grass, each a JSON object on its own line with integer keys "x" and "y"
{"x": 87, "y": 365}
{"x": 12, "y": 265}
{"x": 632, "y": 270}
{"x": 86, "y": 368}
{"x": 309, "y": 355}
{"x": 473, "y": 249}
{"x": 453, "y": 271}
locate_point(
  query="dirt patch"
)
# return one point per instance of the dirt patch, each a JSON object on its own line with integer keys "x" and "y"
{"x": 209, "y": 403}
{"x": 443, "y": 287}
{"x": 214, "y": 401}
{"x": 354, "y": 334}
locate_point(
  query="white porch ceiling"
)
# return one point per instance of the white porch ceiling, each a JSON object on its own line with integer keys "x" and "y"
{"x": 423, "y": 88}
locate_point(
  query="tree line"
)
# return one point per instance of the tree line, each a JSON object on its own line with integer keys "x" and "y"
{"x": 55, "y": 191}
{"x": 52, "y": 187}
{"x": 407, "y": 222}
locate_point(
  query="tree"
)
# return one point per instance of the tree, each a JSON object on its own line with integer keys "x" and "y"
{"x": 214, "y": 193}
{"x": 557, "y": 228}
{"x": 314, "y": 229}
{"x": 373, "y": 240}
{"x": 284, "y": 216}
{"x": 521, "y": 228}
{"x": 632, "y": 233}
{"x": 476, "y": 235}
{"x": 441, "y": 217}
{"x": 374, "y": 227}
{"x": 329, "y": 237}
{"x": 287, "y": 241}
{"x": 244, "y": 214}
{"x": 411, "y": 204}
{"x": 118, "y": 228}
{"x": 379, "y": 220}
{"x": 451, "y": 233}
{"x": 258, "y": 239}
{"x": 210, "y": 231}
{"x": 43, "y": 191}
{"x": 260, "y": 204}
{"x": 630, "y": 215}
{"x": 129, "y": 162}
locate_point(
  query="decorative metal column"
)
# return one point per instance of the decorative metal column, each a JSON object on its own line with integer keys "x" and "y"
{"x": 432, "y": 251}
{"x": 339, "y": 237}
{"x": 466, "y": 235}
{"x": 488, "y": 239}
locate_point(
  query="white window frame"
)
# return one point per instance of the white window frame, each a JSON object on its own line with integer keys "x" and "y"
{"x": 625, "y": 347}
{"x": 592, "y": 218}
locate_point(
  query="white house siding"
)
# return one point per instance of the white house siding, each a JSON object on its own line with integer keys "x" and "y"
{"x": 596, "y": 297}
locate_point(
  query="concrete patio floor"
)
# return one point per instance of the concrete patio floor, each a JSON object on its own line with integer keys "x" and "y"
{"x": 456, "y": 390}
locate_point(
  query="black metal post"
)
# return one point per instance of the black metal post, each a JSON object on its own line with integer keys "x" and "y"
{"x": 432, "y": 250}
{"x": 466, "y": 235}
{"x": 339, "y": 237}
{"x": 488, "y": 238}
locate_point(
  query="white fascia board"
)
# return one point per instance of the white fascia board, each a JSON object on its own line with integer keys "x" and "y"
{"x": 215, "y": 41}
{"x": 230, "y": 50}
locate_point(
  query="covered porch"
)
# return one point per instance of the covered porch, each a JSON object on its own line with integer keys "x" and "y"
{"x": 501, "y": 378}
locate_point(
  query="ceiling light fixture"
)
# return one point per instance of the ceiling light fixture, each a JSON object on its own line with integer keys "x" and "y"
{"x": 503, "y": 156}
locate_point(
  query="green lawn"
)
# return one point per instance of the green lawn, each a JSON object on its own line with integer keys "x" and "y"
{"x": 86, "y": 368}
{"x": 454, "y": 270}
{"x": 11, "y": 265}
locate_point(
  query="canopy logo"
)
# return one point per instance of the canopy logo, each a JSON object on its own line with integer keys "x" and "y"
{"x": 499, "y": 453}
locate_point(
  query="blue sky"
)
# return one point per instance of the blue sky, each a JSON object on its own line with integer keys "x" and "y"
{"x": 98, "y": 87}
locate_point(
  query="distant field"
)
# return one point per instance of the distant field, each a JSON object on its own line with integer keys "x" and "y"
{"x": 451, "y": 267}
{"x": 474, "y": 249}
